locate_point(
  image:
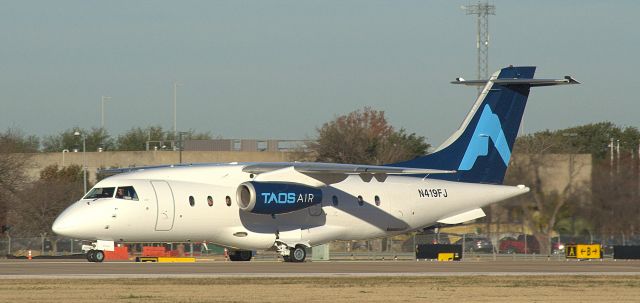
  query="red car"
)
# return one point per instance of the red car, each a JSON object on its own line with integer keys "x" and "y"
{"x": 517, "y": 246}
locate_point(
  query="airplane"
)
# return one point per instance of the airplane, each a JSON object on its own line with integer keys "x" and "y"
{"x": 288, "y": 207}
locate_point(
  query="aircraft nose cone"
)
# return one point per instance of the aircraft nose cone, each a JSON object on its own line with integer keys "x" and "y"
{"x": 61, "y": 226}
{"x": 66, "y": 223}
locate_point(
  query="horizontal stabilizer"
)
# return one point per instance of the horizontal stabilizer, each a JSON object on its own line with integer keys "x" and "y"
{"x": 463, "y": 217}
{"x": 518, "y": 81}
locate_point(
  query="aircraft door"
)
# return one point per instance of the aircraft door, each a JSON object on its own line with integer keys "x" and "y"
{"x": 166, "y": 206}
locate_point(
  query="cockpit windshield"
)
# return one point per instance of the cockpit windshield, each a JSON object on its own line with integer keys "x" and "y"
{"x": 100, "y": 192}
{"x": 127, "y": 193}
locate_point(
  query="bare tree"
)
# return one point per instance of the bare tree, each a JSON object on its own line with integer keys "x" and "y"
{"x": 43, "y": 200}
{"x": 551, "y": 195}
{"x": 15, "y": 149}
{"x": 616, "y": 199}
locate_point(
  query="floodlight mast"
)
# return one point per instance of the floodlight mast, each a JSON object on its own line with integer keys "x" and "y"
{"x": 482, "y": 10}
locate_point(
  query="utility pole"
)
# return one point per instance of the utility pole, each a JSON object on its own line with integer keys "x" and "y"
{"x": 611, "y": 157}
{"x": 482, "y": 11}
{"x": 84, "y": 158}
{"x": 175, "y": 125}
{"x": 104, "y": 98}
{"x": 618, "y": 156}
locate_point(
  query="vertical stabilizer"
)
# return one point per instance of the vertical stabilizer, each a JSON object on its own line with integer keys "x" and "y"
{"x": 481, "y": 148}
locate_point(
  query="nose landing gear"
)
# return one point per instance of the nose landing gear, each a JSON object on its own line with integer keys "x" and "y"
{"x": 95, "y": 251}
{"x": 296, "y": 254}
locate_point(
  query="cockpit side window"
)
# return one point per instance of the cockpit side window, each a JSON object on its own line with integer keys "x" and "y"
{"x": 126, "y": 193}
{"x": 100, "y": 192}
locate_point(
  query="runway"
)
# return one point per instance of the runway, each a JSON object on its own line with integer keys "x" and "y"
{"x": 12, "y": 269}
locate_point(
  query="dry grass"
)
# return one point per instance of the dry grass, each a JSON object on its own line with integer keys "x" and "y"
{"x": 334, "y": 289}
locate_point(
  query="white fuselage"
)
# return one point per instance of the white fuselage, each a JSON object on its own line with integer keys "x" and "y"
{"x": 163, "y": 212}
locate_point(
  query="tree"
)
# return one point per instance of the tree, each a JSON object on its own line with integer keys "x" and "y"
{"x": 614, "y": 190}
{"x": 41, "y": 201}
{"x": 15, "y": 141}
{"x": 99, "y": 138}
{"x": 14, "y": 153}
{"x": 616, "y": 198}
{"x": 593, "y": 138}
{"x": 549, "y": 200}
{"x": 136, "y": 138}
{"x": 94, "y": 139}
{"x": 365, "y": 137}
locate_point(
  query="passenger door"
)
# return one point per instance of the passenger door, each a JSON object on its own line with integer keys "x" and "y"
{"x": 166, "y": 207}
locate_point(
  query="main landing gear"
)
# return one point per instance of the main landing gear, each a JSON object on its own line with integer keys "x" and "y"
{"x": 95, "y": 255}
{"x": 240, "y": 255}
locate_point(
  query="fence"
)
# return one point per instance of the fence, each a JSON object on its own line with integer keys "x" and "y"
{"x": 504, "y": 244}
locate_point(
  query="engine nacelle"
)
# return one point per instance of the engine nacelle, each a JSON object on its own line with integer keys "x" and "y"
{"x": 276, "y": 197}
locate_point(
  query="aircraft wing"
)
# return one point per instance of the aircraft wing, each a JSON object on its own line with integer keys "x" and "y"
{"x": 348, "y": 169}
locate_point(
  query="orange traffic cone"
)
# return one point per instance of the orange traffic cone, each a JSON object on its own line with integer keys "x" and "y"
{"x": 29, "y": 256}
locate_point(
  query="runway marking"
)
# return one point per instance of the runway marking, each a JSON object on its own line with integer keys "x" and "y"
{"x": 79, "y": 269}
{"x": 304, "y": 275}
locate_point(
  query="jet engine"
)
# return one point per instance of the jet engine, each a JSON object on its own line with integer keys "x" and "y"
{"x": 276, "y": 197}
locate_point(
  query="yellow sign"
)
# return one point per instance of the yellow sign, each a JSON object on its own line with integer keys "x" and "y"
{"x": 445, "y": 257}
{"x": 584, "y": 251}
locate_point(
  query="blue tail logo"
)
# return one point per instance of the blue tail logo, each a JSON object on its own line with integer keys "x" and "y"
{"x": 488, "y": 127}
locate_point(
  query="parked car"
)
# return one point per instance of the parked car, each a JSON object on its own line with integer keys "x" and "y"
{"x": 476, "y": 244}
{"x": 512, "y": 245}
{"x": 557, "y": 246}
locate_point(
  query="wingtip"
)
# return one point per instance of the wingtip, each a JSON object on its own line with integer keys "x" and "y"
{"x": 571, "y": 80}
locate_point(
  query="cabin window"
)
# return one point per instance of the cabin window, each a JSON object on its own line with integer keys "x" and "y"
{"x": 100, "y": 192}
{"x": 192, "y": 201}
{"x": 228, "y": 200}
{"x": 360, "y": 201}
{"x": 210, "y": 200}
{"x": 334, "y": 200}
{"x": 126, "y": 193}
{"x": 377, "y": 200}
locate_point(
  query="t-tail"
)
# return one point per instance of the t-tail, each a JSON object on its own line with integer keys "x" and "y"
{"x": 479, "y": 151}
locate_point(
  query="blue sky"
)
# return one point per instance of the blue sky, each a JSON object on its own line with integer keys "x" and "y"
{"x": 279, "y": 69}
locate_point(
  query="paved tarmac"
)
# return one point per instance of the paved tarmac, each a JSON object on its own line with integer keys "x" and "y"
{"x": 10, "y": 269}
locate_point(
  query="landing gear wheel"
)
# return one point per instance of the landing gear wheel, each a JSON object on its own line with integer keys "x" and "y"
{"x": 245, "y": 255}
{"x": 98, "y": 256}
{"x": 286, "y": 258}
{"x": 241, "y": 255}
{"x": 95, "y": 255}
{"x": 91, "y": 255}
{"x": 298, "y": 254}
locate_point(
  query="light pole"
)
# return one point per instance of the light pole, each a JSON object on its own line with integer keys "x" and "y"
{"x": 180, "y": 145}
{"x": 84, "y": 159}
{"x": 175, "y": 125}
{"x": 64, "y": 151}
{"x": 104, "y": 98}
{"x": 571, "y": 137}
